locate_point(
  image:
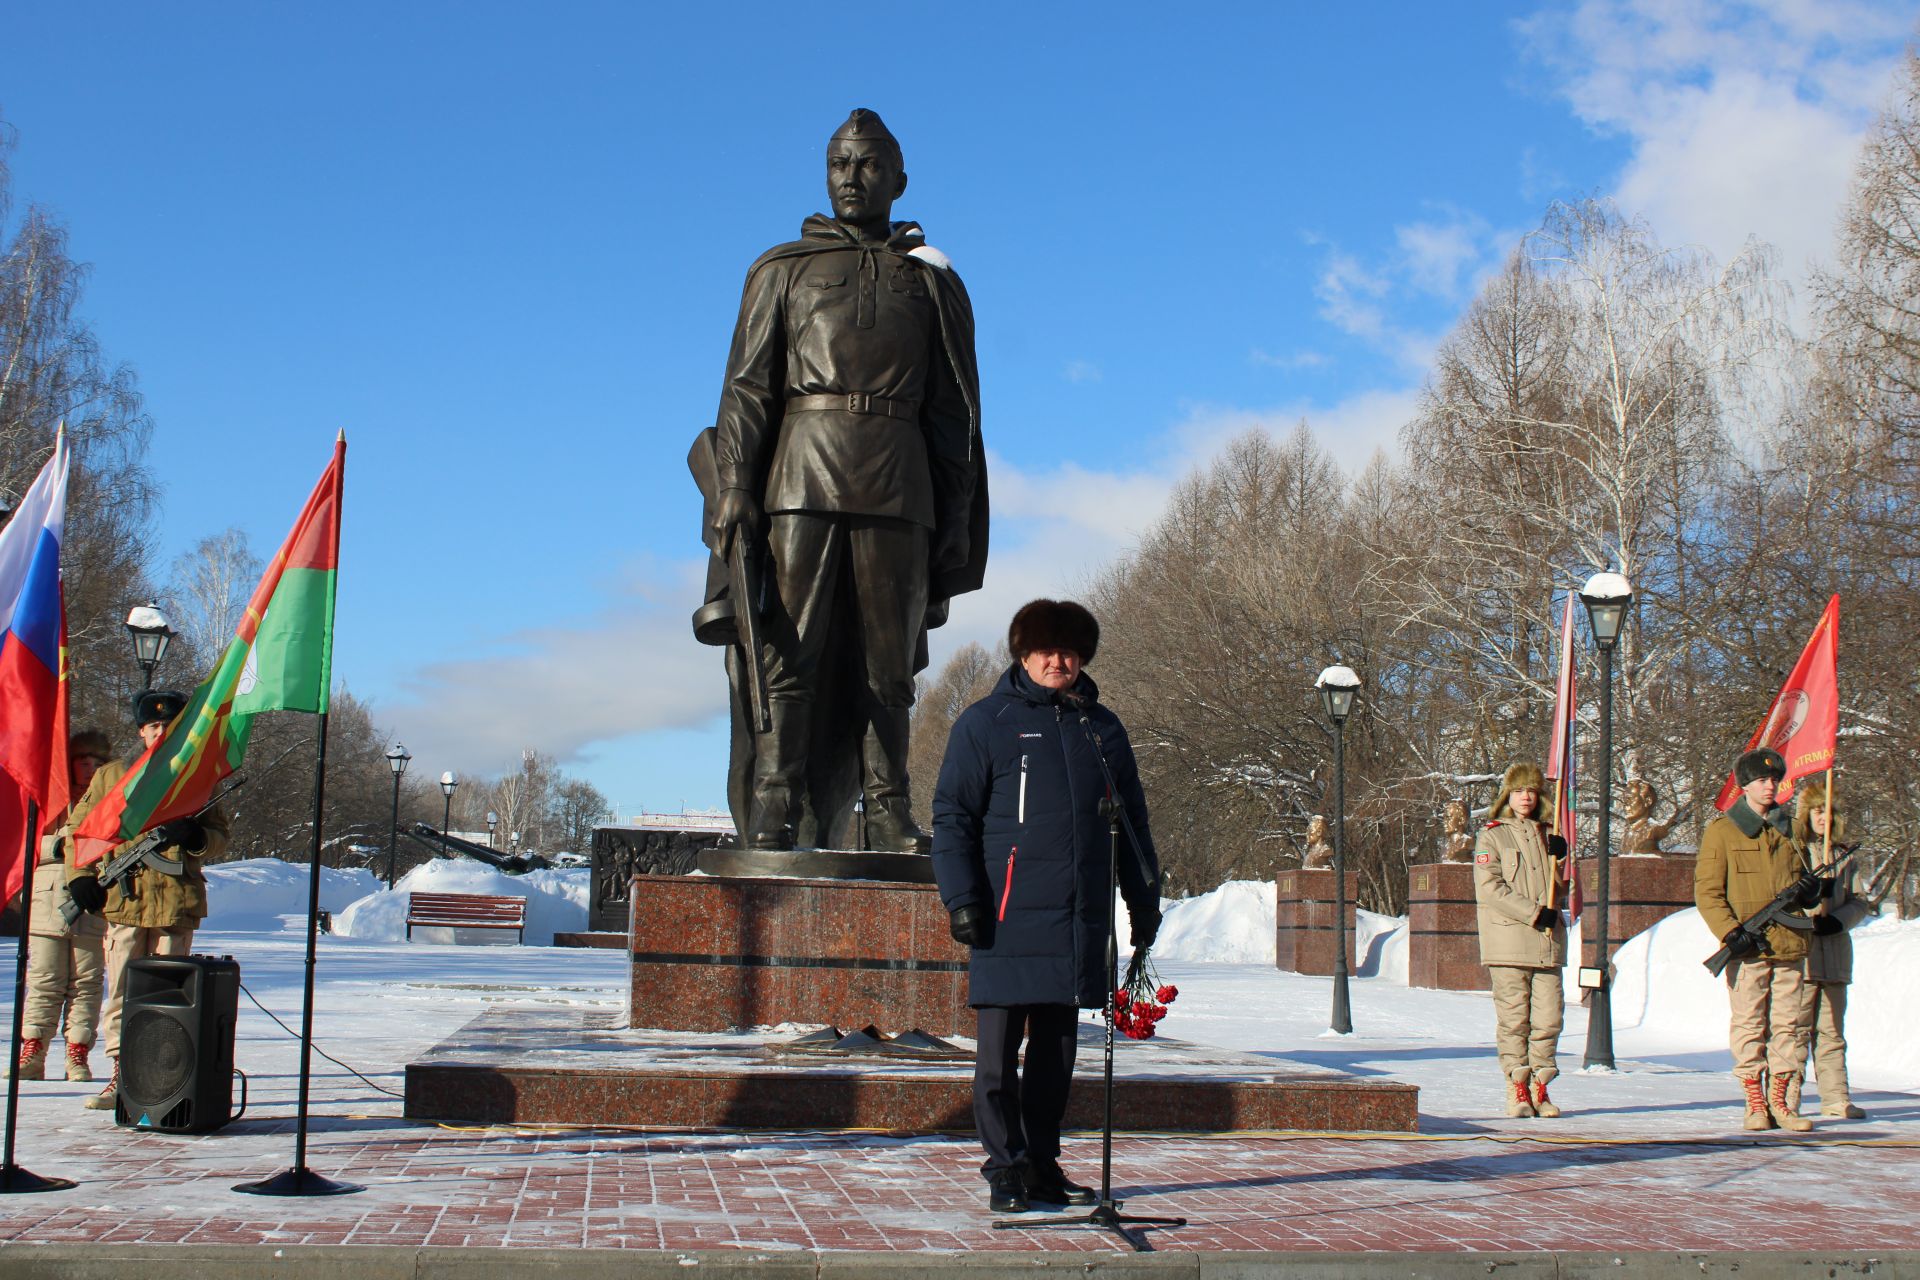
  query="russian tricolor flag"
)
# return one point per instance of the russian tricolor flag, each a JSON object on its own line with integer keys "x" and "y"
{"x": 33, "y": 735}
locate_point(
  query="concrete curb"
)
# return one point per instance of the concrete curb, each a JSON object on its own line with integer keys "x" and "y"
{"x": 366, "y": 1262}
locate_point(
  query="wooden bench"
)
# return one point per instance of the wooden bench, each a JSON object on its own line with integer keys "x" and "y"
{"x": 466, "y": 911}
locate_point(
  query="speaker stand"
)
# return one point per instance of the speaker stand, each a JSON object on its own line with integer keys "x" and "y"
{"x": 297, "y": 1181}
{"x": 15, "y": 1181}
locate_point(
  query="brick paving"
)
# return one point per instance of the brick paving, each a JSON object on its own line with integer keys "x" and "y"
{"x": 1474, "y": 1181}
{"x": 515, "y": 1189}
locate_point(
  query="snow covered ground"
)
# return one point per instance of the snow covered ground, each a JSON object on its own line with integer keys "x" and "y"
{"x": 382, "y": 1002}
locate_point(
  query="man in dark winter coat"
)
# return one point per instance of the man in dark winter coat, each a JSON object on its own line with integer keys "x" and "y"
{"x": 1020, "y": 850}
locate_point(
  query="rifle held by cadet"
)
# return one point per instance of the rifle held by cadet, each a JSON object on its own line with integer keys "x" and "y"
{"x": 1749, "y": 937}
{"x": 146, "y": 850}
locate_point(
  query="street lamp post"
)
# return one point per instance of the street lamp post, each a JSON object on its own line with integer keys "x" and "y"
{"x": 447, "y": 783}
{"x": 1606, "y": 596}
{"x": 493, "y": 820}
{"x": 150, "y": 632}
{"x": 397, "y": 759}
{"x": 1337, "y": 686}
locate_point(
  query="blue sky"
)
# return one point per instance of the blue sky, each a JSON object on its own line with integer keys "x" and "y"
{"x": 502, "y": 246}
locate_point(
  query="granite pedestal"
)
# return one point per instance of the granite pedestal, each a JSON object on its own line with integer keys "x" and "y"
{"x": 569, "y": 1066}
{"x": 1303, "y": 920}
{"x": 1443, "y": 933}
{"x": 716, "y": 953}
{"x": 1644, "y": 890}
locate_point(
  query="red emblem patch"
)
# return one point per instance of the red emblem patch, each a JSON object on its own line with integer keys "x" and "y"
{"x": 1482, "y": 859}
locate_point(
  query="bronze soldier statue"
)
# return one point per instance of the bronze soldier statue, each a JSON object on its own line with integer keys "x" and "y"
{"x": 846, "y": 463}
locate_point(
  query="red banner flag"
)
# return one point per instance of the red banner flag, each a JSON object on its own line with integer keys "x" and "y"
{"x": 1804, "y": 720}
{"x": 1560, "y": 756}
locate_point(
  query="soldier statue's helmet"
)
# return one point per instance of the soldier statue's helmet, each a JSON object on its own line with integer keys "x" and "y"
{"x": 862, "y": 125}
{"x": 158, "y": 706}
{"x": 1763, "y": 762}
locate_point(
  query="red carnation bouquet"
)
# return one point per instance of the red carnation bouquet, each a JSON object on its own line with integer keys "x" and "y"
{"x": 1142, "y": 1000}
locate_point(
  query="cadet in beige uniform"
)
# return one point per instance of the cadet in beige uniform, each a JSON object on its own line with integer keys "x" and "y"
{"x": 1830, "y": 949}
{"x": 1517, "y": 870}
{"x": 1746, "y": 858}
{"x": 152, "y": 913}
{"x": 65, "y": 962}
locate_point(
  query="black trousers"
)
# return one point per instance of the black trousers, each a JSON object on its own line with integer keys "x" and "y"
{"x": 1018, "y": 1115}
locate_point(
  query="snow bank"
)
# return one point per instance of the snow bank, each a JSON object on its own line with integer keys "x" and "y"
{"x": 556, "y": 903}
{"x": 1664, "y": 1000}
{"x": 1380, "y": 945}
{"x": 266, "y": 895}
{"x": 1231, "y": 925}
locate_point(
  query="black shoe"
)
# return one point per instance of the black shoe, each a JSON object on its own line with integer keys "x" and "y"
{"x": 1007, "y": 1192}
{"x": 1046, "y": 1182}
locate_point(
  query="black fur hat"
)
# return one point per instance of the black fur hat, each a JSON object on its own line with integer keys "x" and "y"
{"x": 1760, "y": 763}
{"x": 1053, "y": 624}
{"x": 90, "y": 742}
{"x": 158, "y": 706}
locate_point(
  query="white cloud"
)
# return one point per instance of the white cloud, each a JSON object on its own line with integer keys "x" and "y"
{"x": 1057, "y": 528}
{"x": 1302, "y": 359}
{"x": 1350, "y": 296}
{"x": 1435, "y": 256}
{"x": 1081, "y": 371}
{"x": 630, "y": 667}
{"x": 1744, "y": 119}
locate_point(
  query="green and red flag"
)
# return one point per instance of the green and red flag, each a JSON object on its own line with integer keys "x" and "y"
{"x": 280, "y": 659}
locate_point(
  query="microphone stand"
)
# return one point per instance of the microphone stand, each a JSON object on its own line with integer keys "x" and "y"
{"x": 1106, "y": 1213}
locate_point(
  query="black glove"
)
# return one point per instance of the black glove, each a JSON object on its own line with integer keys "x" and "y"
{"x": 183, "y": 833}
{"x": 1557, "y": 846}
{"x": 971, "y": 926}
{"x": 1827, "y": 926}
{"x": 1145, "y": 928}
{"x": 1741, "y": 943}
{"x": 1807, "y": 889}
{"x": 1545, "y": 917}
{"x": 87, "y": 892}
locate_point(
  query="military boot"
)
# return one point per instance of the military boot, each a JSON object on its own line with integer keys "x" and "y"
{"x": 77, "y": 1068}
{"x": 1519, "y": 1095}
{"x": 891, "y": 829}
{"x": 33, "y": 1058}
{"x": 890, "y": 824}
{"x": 1543, "y": 1106}
{"x": 1756, "y": 1092}
{"x": 1785, "y": 1111}
{"x": 104, "y": 1100}
{"x": 779, "y": 765}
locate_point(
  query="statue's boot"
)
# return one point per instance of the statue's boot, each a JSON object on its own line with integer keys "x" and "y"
{"x": 779, "y": 764}
{"x": 890, "y": 824}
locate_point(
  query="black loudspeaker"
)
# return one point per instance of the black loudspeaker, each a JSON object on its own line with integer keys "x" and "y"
{"x": 176, "y": 1043}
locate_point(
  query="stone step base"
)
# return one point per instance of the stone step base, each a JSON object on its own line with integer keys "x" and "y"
{"x": 573, "y": 1067}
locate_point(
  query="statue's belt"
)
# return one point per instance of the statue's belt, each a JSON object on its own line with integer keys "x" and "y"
{"x": 857, "y": 402}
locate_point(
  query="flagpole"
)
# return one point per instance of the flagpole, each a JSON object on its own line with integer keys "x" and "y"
{"x": 13, "y": 1179}
{"x": 300, "y": 1180}
{"x": 1826, "y": 858}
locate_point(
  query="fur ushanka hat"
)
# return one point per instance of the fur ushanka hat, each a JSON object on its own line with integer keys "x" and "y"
{"x": 1525, "y": 776}
{"x": 1760, "y": 763}
{"x": 1053, "y": 624}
